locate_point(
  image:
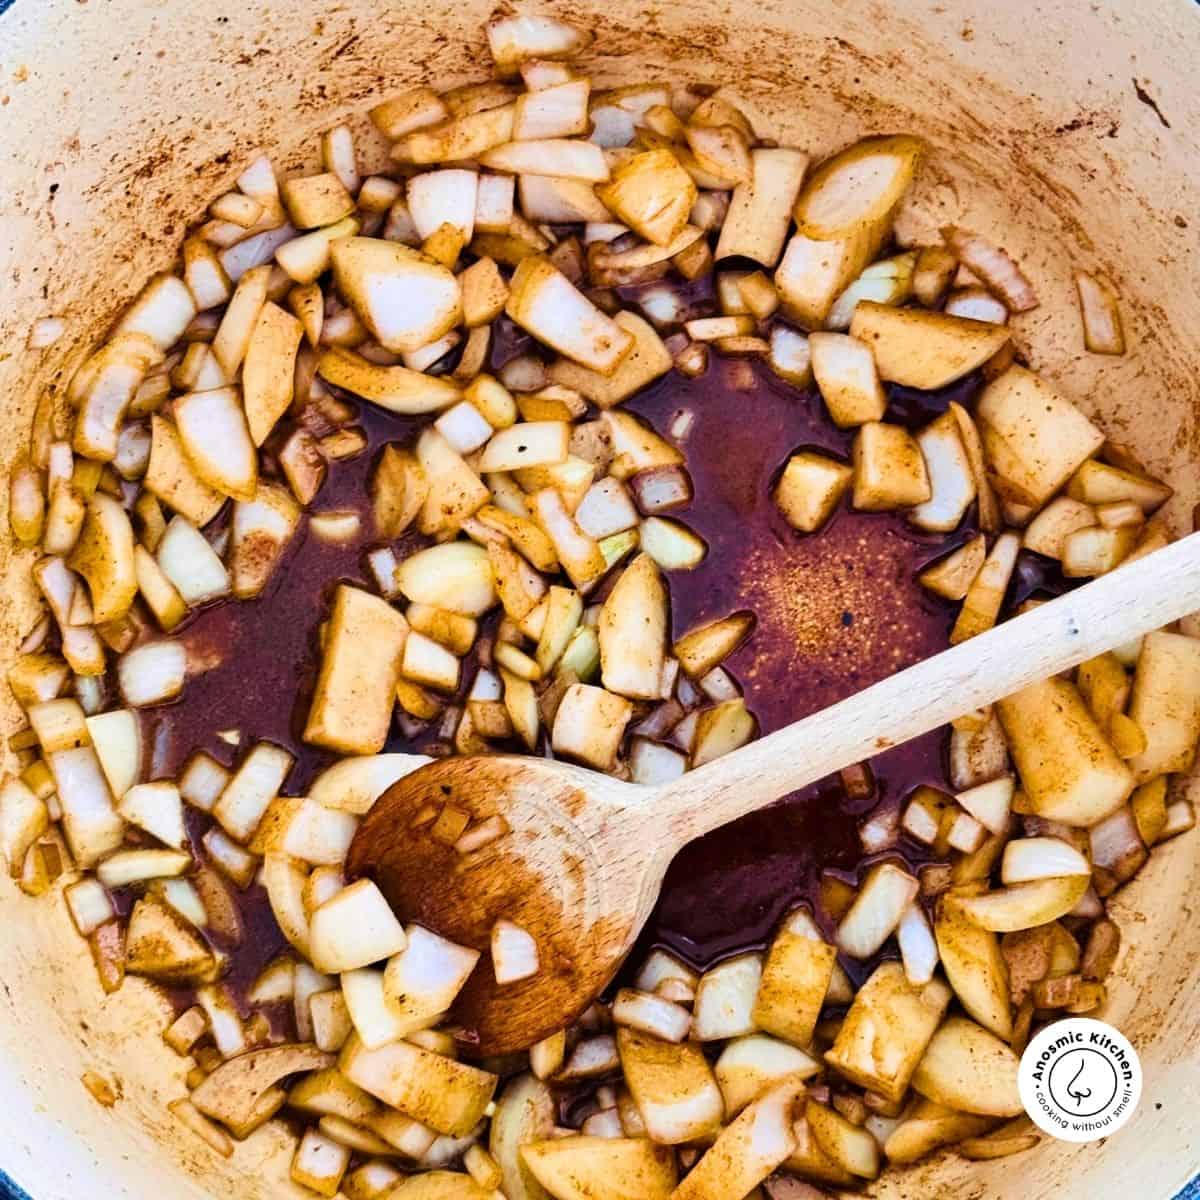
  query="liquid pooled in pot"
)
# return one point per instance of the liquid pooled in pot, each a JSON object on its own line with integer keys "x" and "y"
{"x": 837, "y": 611}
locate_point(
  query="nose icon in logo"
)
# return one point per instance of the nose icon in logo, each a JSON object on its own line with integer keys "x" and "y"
{"x": 1077, "y": 1093}
{"x": 1083, "y": 1082}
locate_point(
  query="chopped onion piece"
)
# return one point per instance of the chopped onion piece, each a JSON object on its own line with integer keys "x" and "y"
{"x": 976, "y": 304}
{"x": 410, "y": 110}
{"x": 604, "y": 259}
{"x": 563, "y": 158}
{"x": 104, "y": 388}
{"x": 651, "y": 1014}
{"x": 438, "y": 198}
{"x": 463, "y": 138}
{"x": 137, "y": 866}
{"x": 546, "y": 1057}
{"x": 847, "y": 378}
{"x": 990, "y": 803}
{"x": 718, "y": 685}
{"x": 184, "y": 898}
{"x": 494, "y": 203}
{"x": 1116, "y": 846}
{"x": 877, "y": 910}
{"x": 161, "y": 312}
{"x": 663, "y": 305}
{"x": 515, "y": 40}
{"x": 605, "y": 509}
{"x": 992, "y": 265}
{"x": 27, "y": 503}
{"x": 230, "y": 858}
{"x": 1025, "y": 905}
{"x": 661, "y": 966}
{"x": 404, "y": 298}
{"x": 383, "y": 566}
{"x": 651, "y": 763}
{"x": 966, "y": 834}
{"x": 319, "y": 1163}
{"x": 672, "y": 545}
{"x": 158, "y": 809}
{"x": 603, "y": 231}
{"x": 708, "y": 329}
{"x": 918, "y": 950}
{"x": 1031, "y": 858}
{"x": 951, "y": 480}
{"x": 237, "y": 208}
{"x": 426, "y": 662}
{"x": 152, "y": 673}
{"x": 760, "y": 210}
{"x": 89, "y": 904}
{"x": 525, "y": 373}
{"x": 422, "y": 981}
{"x": 246, "y": 797}
{"x": 591, "y": 1058}
{"x": 546, "y": 303}
{"x": 1102, "y": 330}
{"x": 514, "y": 952}
{"x": 661, "y": 489}
{"x": 336, "y": 527}
{"x": 190, "y": 563}
{"x": 161, "y": 944}
{"x": 651, "y": 193}
{"x": 528, "y": 444}
{"x": 888, "y": 282}
{"x": 725, "y": 997}
{"x": 355, "y": 928}
{"x": 305, "y": 830}
{"x": 880, "y": 831}
{"x": 578, "y": 552}
{"x": 337, "y": 155}
{"x": 681, "y": 425}
{"x": 203, "y": 780}
{"x": 186, "y": 1030}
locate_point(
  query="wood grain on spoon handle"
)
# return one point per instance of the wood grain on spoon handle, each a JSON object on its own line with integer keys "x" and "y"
{"x": 1116, "y": 608}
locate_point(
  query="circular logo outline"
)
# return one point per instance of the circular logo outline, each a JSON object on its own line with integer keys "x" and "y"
{"x": 1080, "y": 1079}
{"x": 1077, "y": 1077}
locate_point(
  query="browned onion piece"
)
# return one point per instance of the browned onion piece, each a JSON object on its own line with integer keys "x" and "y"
{"x": 661, "y": 489}
{"x": 1102, "y": 329}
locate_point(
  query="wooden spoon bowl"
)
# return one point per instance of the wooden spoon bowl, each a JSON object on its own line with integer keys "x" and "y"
{"x": 546, "y": 875}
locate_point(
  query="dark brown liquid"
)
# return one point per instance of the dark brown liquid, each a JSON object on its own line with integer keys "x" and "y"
{"x": 266, "y": 649}
{"x": 837, "y": 611}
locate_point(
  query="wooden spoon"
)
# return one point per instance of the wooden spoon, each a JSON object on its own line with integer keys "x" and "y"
{"x": 585, "y": 857}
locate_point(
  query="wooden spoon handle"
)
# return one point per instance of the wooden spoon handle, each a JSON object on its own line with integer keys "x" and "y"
{"x": 1118, "y": 607}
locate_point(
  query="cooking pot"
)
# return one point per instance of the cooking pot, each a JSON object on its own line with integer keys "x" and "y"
{"x": 1068, "y": 128}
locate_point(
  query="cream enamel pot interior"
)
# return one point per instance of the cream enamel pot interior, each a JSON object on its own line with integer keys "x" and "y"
{"x": 1069, "y": 128}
